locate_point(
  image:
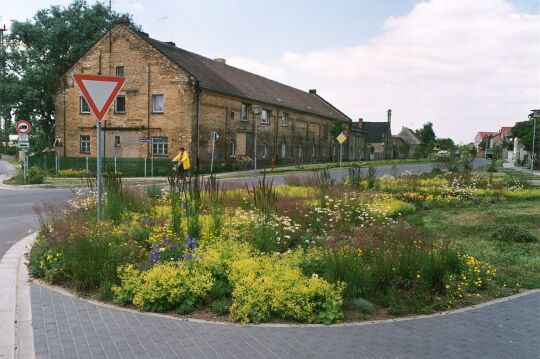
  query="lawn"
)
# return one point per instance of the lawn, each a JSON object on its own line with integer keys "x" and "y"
{"x": 471, "y": 230}
{"x": 312, "y": 251}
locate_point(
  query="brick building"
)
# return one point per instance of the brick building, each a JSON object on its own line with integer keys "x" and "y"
{"x": 183, "y": 97}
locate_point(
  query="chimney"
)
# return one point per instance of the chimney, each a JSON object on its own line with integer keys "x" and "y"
{"x": 360, "y": 122}
{"x": 313, "y": 91}
{"x": 170, "y": 43}
{"x": 220, "y": 60}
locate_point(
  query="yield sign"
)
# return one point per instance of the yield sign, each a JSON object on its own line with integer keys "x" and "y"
{"x": 99, "y": 91}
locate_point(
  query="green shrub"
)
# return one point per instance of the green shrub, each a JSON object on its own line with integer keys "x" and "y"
{"x": 164, "y": 286}
{"x": 220, "y": 307}
{"x": 513, "y": 233}
{"x": 36, "y": 175}
{"x": 363, "y": 305}
{"x": 153, "y": 191}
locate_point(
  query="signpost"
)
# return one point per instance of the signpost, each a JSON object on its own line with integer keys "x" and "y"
{"x": 100, "y": 92}
{"x": 58, "y": 143}
{"x": 214, "y": 136}
{"x": 341, "y": 138}
{"x": 23, "y": 127}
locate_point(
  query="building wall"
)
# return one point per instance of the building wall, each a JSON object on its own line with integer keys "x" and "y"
{"x": 147, "y": 73}
{"x": 305, "y": 138}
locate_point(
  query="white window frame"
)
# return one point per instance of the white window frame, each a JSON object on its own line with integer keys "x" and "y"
{"x": 84, "y": 143}
{"x": 244, "y": 112}
{"x": 266, "y": 119}
{"x": 232, "y": 148}
{"x": 82, "y": 101}
{"x": 161, "y": 148}
{"x": 283, "y": 150}
{"x": 116, "y": 105}
{"x": 154, "y": 97}
{"x": 285, "y": 119}
{"x": 123, "y": 70}
{"x": 117, "y": 143}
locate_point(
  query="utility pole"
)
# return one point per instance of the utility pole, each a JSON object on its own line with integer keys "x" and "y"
{"x": 3, "y": 134}
{"x": 533, "y": 115}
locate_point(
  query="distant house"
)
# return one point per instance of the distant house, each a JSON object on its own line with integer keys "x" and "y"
{"x": 379, "y": 141}
{"x": 482, "y": 141}
{"x": 407, "y": 143}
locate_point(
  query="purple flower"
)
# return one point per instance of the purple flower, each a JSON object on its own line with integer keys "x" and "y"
{"x": 187, "y": 256}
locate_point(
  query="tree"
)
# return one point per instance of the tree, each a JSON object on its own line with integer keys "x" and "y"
{"x": 336, "y": 129}
{"x": 524, "y": 131}
{"x": 427, "y": 135}
{"x": 39, "y": 52}
{"x": 446, "y": 144}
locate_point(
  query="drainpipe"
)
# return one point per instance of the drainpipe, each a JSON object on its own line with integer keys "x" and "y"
{"x": 65, "y": 142}
{"x": 149, "y": 104}
{"x": 197, "y": 119}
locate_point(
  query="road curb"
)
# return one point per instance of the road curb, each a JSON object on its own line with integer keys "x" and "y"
{"x": 16, "y": 340}
{"x": 65, "y": 292}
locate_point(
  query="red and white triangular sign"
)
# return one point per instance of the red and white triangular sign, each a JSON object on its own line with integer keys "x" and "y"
{"x": 99, "y": 91}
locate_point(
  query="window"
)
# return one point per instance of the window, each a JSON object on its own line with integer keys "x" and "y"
{"x": 265, "y": 116}
{"x": 244, "y": 116}
{"x": 285, "y": 119}
{"x": 120, "y": 71}
{"x": 232, "y": 148}
{"x": 231, "y": 116}
{"x": 283, "y": 149}
{"x": 85, "y": 108}
{"x": 263, "y": 151}
{"x": 158, "y": 104}
{"x": 161, "y": 148}
{"x": 85, "y": 144}
{"x": 120, "y": 104}
{"x": 116, "y": 141}
{"x": 313, "y": 151}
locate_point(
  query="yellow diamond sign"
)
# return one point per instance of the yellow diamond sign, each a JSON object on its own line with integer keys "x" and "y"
{"x": 342, "y": 137}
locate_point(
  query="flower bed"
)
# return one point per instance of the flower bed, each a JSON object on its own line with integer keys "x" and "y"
{"x": 300, "y": 253}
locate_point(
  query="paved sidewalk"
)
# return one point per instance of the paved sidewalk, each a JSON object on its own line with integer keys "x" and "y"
{"x": 511, "y": 166}
{"x": 67, "y": 327}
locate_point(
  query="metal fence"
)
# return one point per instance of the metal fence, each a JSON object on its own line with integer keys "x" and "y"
{"x": 128, "y": 167}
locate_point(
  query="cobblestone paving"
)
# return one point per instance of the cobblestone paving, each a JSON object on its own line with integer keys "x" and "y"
{"x": 66, "y": 327}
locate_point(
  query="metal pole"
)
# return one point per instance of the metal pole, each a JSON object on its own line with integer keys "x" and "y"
{"x": 25, "y": 166}
{"x": 87, "y": 165}
{"x": 152, "y": 159}
{"x": 485, "y": 154}
{"x": 145, "y": 167}
{"x": 98, "y": 171}
{"x": 340, "y": 161}
{"x": 115, "y": 165}
{"x": 212, "y": 161}
{"x": 255, "y": 143}
{"x": 532, "y": 149}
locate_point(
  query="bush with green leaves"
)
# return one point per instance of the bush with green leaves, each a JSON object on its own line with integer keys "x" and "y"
{"x": 36, "y": 175}
{"x": 512, "y": 233}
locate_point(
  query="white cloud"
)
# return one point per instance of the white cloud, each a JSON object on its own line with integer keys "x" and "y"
{"x": 270, "y": 71}
{"x": 464, "y": 65}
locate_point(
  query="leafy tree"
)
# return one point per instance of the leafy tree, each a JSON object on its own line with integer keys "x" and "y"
{"x": 427, "y": 135}
{"x": 336, "y": 129}
{"x": 524, "y": 131}
{"x": 39, "y": 52}
{"x": 445, "y": 144}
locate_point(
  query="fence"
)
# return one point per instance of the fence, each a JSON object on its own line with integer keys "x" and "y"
{"x": 128, "y": 167}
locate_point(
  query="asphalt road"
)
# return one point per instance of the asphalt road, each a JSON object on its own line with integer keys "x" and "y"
{"x": 17, "y": 216}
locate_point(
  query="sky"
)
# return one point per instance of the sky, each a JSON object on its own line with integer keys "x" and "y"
{"x": 464, "y": 65}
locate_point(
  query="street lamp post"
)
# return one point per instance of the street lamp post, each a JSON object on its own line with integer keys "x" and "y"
{"x": 533, "y": 115}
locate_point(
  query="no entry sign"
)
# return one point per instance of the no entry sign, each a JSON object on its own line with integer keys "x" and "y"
{"x": 23, "y": 127}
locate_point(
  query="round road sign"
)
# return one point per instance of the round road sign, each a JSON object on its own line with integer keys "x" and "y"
{"x": 23, "y": 127}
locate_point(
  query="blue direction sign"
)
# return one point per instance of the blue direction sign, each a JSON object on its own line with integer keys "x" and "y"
{"x": 158, "y": 138}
